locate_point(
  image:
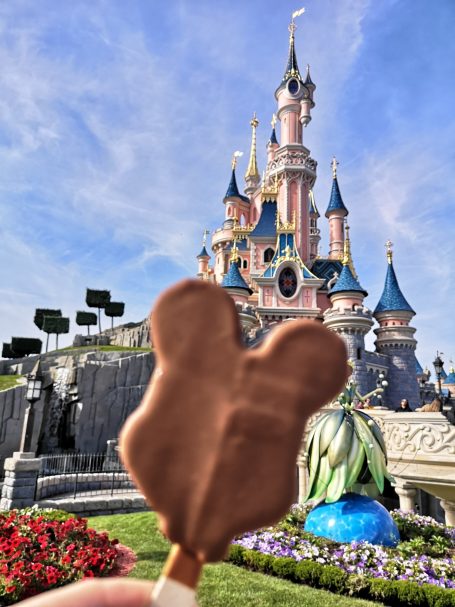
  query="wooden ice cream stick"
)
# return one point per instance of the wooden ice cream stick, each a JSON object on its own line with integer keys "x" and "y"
{"x": 178, "y": 581}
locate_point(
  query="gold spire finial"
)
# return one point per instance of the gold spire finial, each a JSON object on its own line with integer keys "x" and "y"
{"x": 388, "y": 246}
{"x": 347, "y": 255}
{"x": 235, "y": 155}
{"x": 234, "y": 251}
{"x": 252, "y": 170}
{"x": 273, "y": 121}
{"x": 335, "y": 163}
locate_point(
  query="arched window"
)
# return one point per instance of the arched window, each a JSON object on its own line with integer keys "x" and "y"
{"x": 229, "y": 211}
{"x": 242, "y": 220}
{"x": 245, "y": 263}
{"x": 268, "y": 255}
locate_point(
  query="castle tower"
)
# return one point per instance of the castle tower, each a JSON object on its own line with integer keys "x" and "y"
{"x": 291, "y": 162}
{"x": 349, "y": 318}
{"x": 395, "y": 338}
{"x": 272, "y": 143}
{"x": 237, "y": 211}
{"x": 203, "y": 260}
{"x": 336, "y": 213}
{"x": 252, "y": 177}
{"x": 233, "y": 282}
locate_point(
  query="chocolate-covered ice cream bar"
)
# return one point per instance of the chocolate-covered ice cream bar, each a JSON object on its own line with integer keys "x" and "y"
{"x": 213, "y": 445}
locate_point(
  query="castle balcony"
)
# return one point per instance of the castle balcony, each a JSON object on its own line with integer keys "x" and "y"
{"x": 221, "y": 236}
{"x": 421, "y": 455}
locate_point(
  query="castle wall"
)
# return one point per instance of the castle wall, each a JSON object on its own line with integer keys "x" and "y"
{"x": 402, "y": 376}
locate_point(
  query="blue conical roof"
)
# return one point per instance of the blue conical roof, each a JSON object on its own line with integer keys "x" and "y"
{"x": 234, "y": 279}
{"x": 273, "y": 138}
{"x": 336, "y": 202}
{"x": 233, "y": 190}
{"x": 266, "y": 226}
{"x": 347, "y": 282}
{"x": 450, "y": 379}
{"x": 419, "y": 368}
{"x": 392, "y": 298}
{"x": 203, "y": 253}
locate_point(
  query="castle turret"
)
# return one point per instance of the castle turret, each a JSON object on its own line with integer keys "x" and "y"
{"x": 233, "y": 282}
{"x": 252, "y": 177}
{"x": 203, "y": 259}
{"x": 336, "y": 212}
{"x": 272, "y": 143}
{"x": 349, "y": 317}
{"x": 395, "y": 338}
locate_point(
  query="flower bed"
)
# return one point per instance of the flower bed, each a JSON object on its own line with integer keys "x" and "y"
{"x": 423, "y": 561}
{"x": 40, "y": 550}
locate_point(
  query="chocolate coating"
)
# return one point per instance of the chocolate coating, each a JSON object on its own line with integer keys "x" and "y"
{"x": 213, "y": 445}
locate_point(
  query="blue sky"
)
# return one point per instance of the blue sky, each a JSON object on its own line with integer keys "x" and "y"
{"x": 118, "y": 121}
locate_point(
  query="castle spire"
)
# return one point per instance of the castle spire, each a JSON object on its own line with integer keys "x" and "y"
{"x": 273, "y": 140}
{"x": 252, "y": 174}
{"x": 392, "y": 299}
{"x": 347, "y": 257}
{"x": 233, "y": 190}
{"x": 292, "y": 69}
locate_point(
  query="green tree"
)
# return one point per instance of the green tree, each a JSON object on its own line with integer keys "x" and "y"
{"x": 56, "y": 325}
{"x": 86, "y": 319}
{"x": 24, "y": 346}
{"x": 40, "y": 313}
{"x": 97, "y": 299}
{"x": 114, "y": 309}
{"x": 7, "y": 352}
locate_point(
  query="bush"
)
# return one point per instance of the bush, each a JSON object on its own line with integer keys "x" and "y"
{"x": 284, "y": 567}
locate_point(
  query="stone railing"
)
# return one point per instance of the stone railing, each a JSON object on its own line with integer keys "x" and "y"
{"x": 421, "y": 455}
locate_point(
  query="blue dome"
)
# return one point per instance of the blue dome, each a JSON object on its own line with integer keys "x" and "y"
{"x": 266, "y": 226}
{"x": 353, "y": 518}
{"x": 392, "y": 298}
{"x": 336, "y": 202}
{"x": 347, "y": 282}
{"x": 234, "y": 279}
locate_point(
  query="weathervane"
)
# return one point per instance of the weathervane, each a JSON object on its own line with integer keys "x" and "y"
{"x": 204, "y": 238}
{"x": 334, "y": 167}
{"x": 292, "y": 25}
{"x": 273, "y": 122}
{"x": 388, "y": 246}
{"x": 236, "y": 155}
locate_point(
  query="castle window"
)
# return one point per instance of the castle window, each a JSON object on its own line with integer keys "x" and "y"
{"x": 359, "y": 353}
{"x": 245, "y": 263}
{"x": 268, "y": 255}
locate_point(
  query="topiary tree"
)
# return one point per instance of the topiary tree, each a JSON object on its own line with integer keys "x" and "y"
{"x": 40, "y": 313}
{"x": 24, "y": 346}
{"x": 97, "y": 299}
{"x": 7, "y": 352}
{"x": 86, "y": 319}
{"x": 114, "y": 309}
{"x": 57, "y": 325}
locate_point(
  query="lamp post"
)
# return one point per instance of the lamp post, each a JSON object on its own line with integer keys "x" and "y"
{"x": 438, "y": 366}
{"x": 34, "y": 389}
{"x": 381, "y": 383}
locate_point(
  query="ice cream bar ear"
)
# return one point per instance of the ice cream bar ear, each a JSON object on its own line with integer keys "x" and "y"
{"x": 213, "y": 445}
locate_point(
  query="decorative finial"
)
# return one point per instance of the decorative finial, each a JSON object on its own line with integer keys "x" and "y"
{"x": 334, "y": 167}
{"x": 252, "y": 170}
{"x": 388, "y": 246}
{"x": 234, "y": 251}
{"x": 292, "y": 25}
{"x": 204, "y": 238}
{"x": 273, "y": 122}
{"x": 235, "y": 155}
{"x": 347, "y": 247}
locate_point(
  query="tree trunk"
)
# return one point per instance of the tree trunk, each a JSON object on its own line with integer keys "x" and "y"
{"x": 56, "y": 341}
{"x": 99, "y": 319}
{"x": 88, "y": 330}
{"x": 112, "y": 323}
{"x": 47, "y": 342}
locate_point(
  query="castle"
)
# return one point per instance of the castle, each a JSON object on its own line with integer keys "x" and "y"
{"x": 266, "y": 252}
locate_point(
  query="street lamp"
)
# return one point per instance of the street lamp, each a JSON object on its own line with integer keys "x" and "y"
{"x": 381, "y": 383}
{"x": 438, "y": 366}
{"x": 33, "y": 393}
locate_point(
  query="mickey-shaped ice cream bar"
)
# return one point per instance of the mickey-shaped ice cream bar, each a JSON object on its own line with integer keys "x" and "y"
{"x": 214, "y": 443}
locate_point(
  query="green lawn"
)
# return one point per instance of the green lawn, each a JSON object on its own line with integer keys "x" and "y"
{"x": 104, "y": 349}
{"x": 9, "y": 381}
{"x": 222, "y": 585}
